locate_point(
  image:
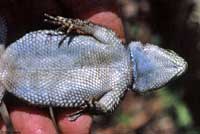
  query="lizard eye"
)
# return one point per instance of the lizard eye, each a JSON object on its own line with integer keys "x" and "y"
{"x": 153, "y": 67}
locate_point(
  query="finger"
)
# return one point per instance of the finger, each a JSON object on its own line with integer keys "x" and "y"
{"x": 110, "y": 20}
{"x": 31, "y": 120}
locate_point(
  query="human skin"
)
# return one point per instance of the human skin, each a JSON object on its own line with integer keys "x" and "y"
{"x": 26, "y": 15}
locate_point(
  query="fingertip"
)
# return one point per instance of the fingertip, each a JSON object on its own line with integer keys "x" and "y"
{"x": 111, "y": 20}
{"x": 82, "y": 125}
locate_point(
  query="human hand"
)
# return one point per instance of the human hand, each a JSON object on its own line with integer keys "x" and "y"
{"x": 27, "y": 16}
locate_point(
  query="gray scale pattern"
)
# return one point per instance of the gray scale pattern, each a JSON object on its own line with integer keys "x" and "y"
{"x": 45, "y": 74}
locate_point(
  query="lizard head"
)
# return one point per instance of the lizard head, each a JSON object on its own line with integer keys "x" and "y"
{"x": 153, "y": 67}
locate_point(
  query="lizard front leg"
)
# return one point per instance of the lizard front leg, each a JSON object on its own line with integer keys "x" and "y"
{"x": 102, "y": 34}
{"x": 107, "y": 103}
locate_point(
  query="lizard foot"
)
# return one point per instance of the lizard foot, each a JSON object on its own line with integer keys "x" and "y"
{"x": 64, "y": 23}
{"x": 67, "y": 24}
{"x": 75, "y": 115}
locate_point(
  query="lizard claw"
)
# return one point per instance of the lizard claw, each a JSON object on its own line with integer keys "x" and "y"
{"x": 75, "y": 115}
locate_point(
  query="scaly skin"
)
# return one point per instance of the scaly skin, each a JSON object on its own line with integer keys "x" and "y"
{"x": 91, "y": 72}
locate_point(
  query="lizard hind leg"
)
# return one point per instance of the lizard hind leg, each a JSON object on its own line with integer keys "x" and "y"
{"x": 5, "y": 115}
{"x": 3, "y": 34}
{"x": 6, "y": 118}
{"x": 3, "y": 109}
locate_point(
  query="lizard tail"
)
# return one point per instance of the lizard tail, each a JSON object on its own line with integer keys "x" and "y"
{"x": 3, "y": 34}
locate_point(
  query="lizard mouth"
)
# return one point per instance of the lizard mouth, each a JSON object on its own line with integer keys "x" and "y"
{"x": 182, "y": 68}
{"x": 180, "y": 64}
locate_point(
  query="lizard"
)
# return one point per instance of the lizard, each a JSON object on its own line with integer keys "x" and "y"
{"x": 91, "y": 70}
